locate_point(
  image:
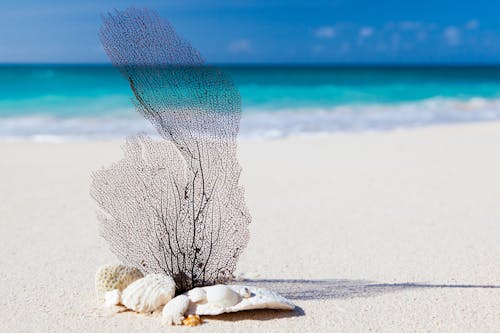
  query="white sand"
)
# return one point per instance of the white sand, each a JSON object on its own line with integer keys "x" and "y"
{"x": 395, "y": 231}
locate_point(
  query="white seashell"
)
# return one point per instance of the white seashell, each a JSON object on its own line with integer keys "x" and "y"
{"x": 223, "y": 298}
{"x": 110, "y": 277}
{"x": 196, "y": 295}
{"x": 149, "y": 293}
{"x": 173, "y": 312}
{"x": 112, "y": 298}
{"x": 258, "y": 298}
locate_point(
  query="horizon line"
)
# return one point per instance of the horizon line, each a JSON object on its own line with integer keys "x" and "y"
{"x": 282, "y": 64}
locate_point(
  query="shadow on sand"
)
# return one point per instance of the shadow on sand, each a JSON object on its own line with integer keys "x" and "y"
{"x": 260, "y": 315}
{"x": 332, "y": 288}
{"x": 324, "y": 290}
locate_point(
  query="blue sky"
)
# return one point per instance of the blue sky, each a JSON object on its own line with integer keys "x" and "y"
{"x": 285, "y": 31}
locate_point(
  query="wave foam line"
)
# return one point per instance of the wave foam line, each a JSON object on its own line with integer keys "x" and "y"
{"x": 267, "y": 123}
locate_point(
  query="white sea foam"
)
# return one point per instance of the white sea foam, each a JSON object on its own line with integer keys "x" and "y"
{"x": 369, "y": 117}
{"x": 258, "y": 123}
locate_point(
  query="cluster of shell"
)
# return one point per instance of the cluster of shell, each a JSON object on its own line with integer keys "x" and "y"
{"x": 123, "y": 286}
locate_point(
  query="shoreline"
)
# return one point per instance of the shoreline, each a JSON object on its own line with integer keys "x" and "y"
{"x": 265, "y": 122}
{"x": 303, "y": 135}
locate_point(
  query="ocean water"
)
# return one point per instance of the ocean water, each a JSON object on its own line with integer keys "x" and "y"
{"x": 52, "y": 102}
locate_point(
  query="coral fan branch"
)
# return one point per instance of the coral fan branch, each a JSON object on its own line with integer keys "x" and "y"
{"x": 173, "y": 206}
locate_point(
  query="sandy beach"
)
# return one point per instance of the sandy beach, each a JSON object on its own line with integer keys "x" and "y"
{"x": 384, "y": 231}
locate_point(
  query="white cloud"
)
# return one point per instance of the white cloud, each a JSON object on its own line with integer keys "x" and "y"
{"x": 366, "y": 32}
{"x": 240, "y": 46}
{"x": 472, "y": 25}
{"x": 325, "y": 32}
{"x": 452, "y": 35}
{"x": 408, "y": 26}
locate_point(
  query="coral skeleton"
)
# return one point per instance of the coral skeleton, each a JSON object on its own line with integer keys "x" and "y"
{"x": 111, "y": 277}
{"x": 173, "y": 206}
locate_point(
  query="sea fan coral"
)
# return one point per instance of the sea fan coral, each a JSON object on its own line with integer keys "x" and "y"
{"x": 173, "y": 206}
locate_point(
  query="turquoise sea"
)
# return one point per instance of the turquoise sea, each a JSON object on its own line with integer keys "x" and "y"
{"x": 59, "y": 102}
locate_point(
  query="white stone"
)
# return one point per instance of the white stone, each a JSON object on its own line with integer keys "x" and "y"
{"x": 112, "y": 298}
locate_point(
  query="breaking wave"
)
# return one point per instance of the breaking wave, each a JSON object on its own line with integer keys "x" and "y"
{"x": 264, "y": 123}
